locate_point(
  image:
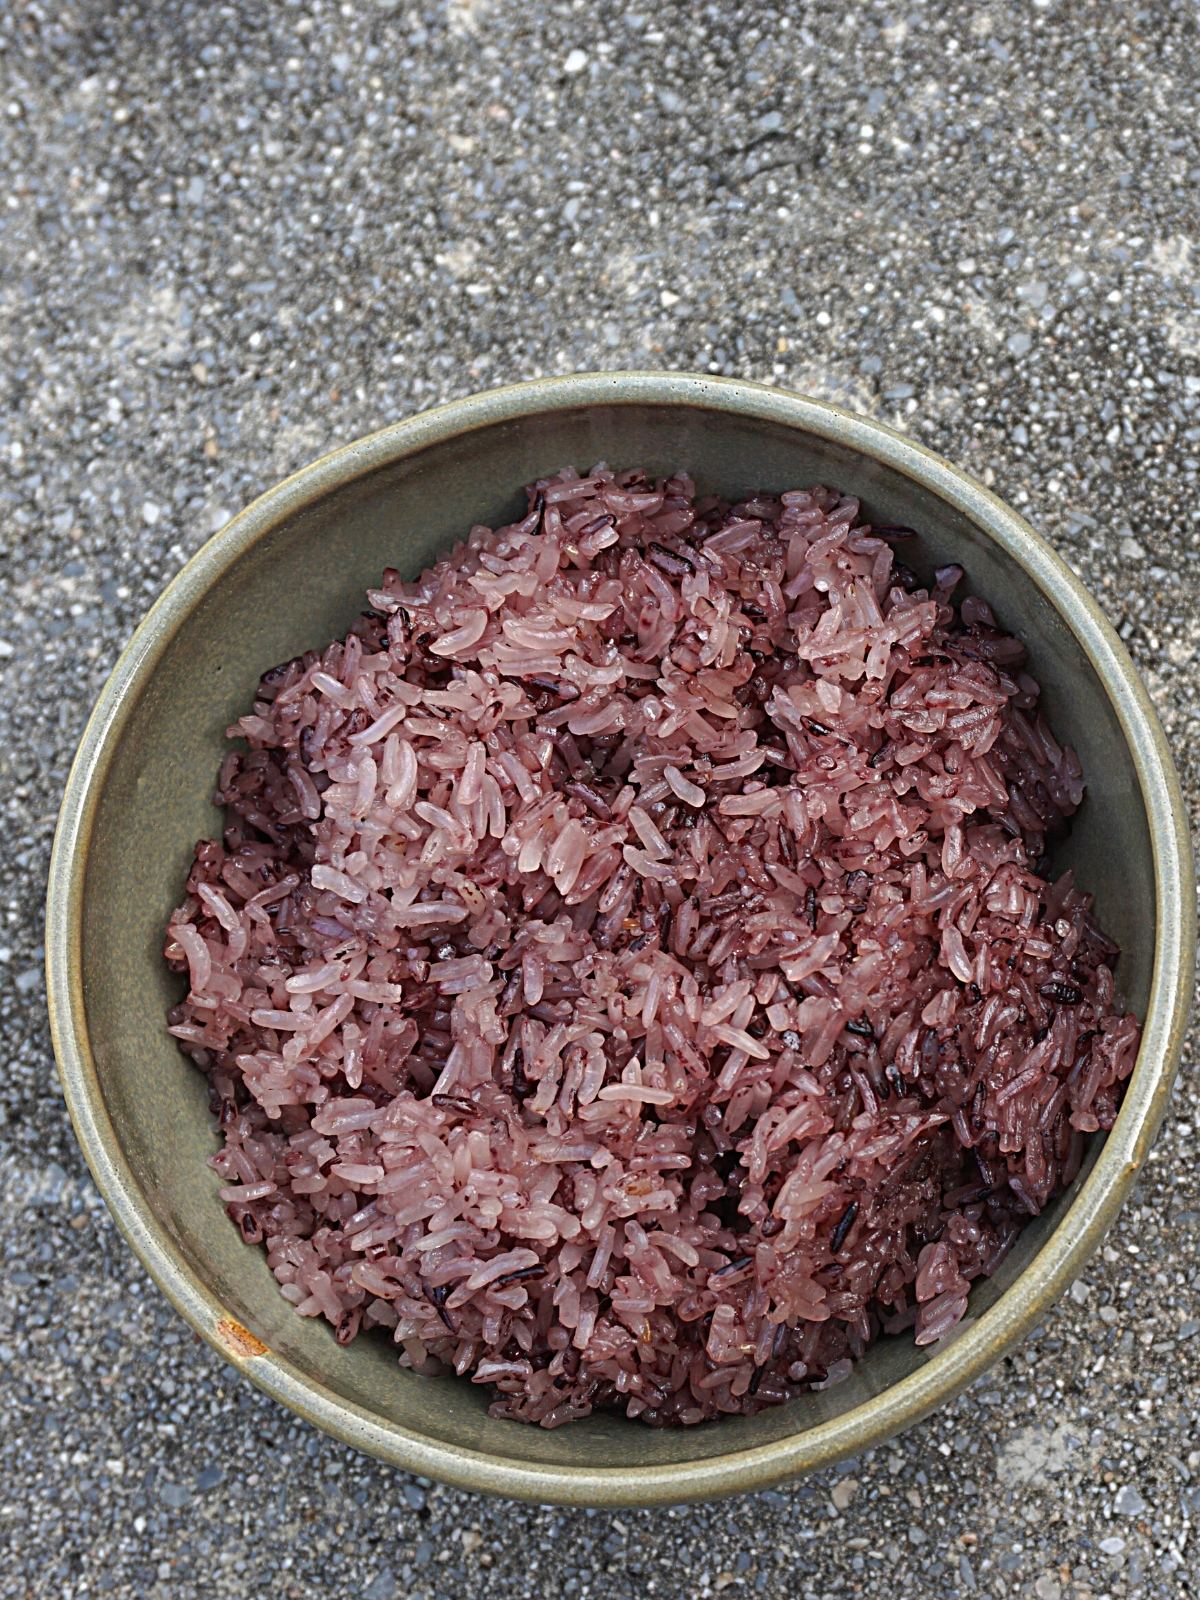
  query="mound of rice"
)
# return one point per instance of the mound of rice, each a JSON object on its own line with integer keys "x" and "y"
{"x": 628, "y": 974}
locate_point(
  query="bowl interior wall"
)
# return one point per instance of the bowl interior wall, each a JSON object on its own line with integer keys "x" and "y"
{"x": 300, "y": 586}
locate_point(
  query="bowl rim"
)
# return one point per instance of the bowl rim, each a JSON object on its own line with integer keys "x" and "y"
{"x": 980, "y": 1345}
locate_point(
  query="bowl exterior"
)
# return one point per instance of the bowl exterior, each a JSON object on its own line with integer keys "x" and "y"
{"x": 288, "y": 573}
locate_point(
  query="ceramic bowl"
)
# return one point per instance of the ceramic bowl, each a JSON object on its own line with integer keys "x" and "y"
{"x": 289, "y": 573}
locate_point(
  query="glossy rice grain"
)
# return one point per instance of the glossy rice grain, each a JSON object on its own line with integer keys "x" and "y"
{"x": 628, "y": 975}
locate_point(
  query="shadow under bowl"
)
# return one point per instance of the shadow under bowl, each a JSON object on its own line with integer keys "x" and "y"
{"x": 290, "y": 573}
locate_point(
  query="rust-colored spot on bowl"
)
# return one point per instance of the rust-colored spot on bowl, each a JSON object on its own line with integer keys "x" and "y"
{"x": 237, "y": 1340}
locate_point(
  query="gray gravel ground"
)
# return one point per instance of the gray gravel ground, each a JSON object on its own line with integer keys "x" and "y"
{"x": 236, "y": 235}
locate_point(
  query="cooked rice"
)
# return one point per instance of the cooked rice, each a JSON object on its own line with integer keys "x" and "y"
{"x": 629, "y": 974}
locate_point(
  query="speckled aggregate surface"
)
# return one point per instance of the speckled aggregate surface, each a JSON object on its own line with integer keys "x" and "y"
{"x": 237, "y": 235}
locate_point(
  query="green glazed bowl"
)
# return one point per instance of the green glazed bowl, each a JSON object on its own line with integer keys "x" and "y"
{"x": 288, "y": 574}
